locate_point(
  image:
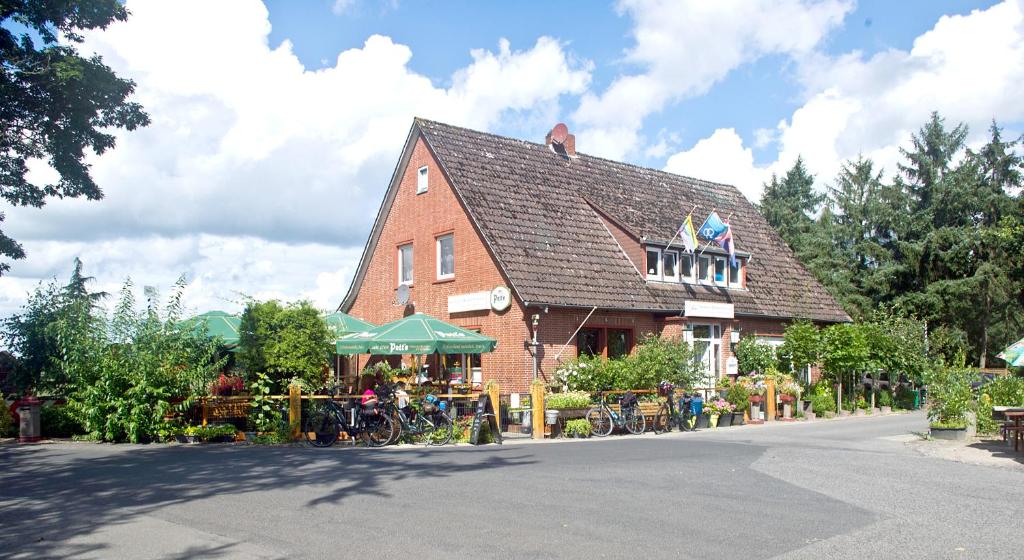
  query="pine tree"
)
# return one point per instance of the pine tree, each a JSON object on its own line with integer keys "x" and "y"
{"x": 790, "y": 204}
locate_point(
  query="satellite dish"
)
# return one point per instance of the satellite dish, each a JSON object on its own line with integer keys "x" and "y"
{"x": 402, "y": 294}
{"x": 560, "y": 133}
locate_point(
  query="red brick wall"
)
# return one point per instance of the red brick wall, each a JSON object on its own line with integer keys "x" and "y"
{"x": 420, "y": 218}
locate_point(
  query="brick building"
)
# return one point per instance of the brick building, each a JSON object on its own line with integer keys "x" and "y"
{"x": 581, "y": 246}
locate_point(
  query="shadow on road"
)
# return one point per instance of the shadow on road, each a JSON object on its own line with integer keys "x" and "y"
{"x": 50, "y": 494}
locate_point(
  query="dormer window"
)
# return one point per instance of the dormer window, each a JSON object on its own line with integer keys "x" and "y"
{"x": 669, "y": 268}
{"x": 736, "y": 274}
{"x": 704, "y": 269}
{"x": 721, "y": 271}
{"x": 653, "y": 264}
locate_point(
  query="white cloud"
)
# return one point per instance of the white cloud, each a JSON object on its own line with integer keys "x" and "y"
{"x": 340, "y": 7}
{"x": 685, "y": 47}
{"x": 247, "y": 144}
{"x": 721, "y": 158}
{"x": 970, "y": 68}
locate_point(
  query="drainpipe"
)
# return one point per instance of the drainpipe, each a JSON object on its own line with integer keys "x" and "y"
{"x": 533, "y": 344}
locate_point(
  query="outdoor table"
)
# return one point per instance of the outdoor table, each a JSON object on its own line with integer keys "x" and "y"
{"x": 1017, "y": 416}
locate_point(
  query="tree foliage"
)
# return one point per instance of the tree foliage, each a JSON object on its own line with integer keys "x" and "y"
{"x": 57, "y": 105}
{"x": 284, "y": 342}
{"x": 655, "y": 360}
{"x": 752, "y": 355}
{"x": 940, "y": 242}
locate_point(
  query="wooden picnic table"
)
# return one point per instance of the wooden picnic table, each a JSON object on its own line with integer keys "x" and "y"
{"x": 1016, "y": 416}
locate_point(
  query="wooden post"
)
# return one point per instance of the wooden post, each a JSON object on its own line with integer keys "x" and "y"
{"x": 295, "y": 409}
{"x": 493, "y": 393}
{"x": 770, "y": 406}
{"x": 206, "y": 410}
{"x": 839, "y": 399}
{"x": 537, "y": 408}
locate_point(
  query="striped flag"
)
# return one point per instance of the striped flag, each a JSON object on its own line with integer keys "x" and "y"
{"x": 688, "y": 234}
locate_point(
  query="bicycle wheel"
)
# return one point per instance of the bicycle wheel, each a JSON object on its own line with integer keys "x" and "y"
{"x": 442, "y": 431}
{"x": 662, "y": 420}
{"x": 396, "y": 421}
{"x": 600, "y": 421}
{"x": 635, "y": 421}
{"x": 380, "y": 431}
{"x": 320, "y": 428}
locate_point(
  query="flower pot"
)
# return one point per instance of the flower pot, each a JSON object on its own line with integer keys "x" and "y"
{"x": 713, "y": 421}
{"x": 786, "y": 398}
{"x": 725, "y": 420}
{"x": 702, "y": 421}
{"x": 570, "y": 413}
{"x": 180, "y": 438}
{"x": 756, "y": 399}
{"x": 737, "y": 419}
{"x": 249, "y": 436}
{"x": 950, "y": 434}
{"x": 886, "y": 409}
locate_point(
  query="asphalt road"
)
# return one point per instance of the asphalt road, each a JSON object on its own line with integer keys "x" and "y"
{"x": 839, "y": 489}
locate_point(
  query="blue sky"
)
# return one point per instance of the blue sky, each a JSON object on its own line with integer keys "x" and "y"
{"x": 277, "y": 125}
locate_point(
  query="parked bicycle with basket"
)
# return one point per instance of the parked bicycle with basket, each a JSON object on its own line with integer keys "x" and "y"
{"x": 603, "y": 419}
{"x": 326, "y": 419}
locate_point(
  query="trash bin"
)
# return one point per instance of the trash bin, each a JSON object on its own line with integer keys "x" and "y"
{"x": 917, "y": 399}
{"x": 28, "y": 413}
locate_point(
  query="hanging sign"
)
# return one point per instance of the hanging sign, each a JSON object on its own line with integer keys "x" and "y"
{"x": 501, "y": 299}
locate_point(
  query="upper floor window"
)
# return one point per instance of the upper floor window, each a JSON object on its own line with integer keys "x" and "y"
{"x": 654, "y": 264}
{"x": 669, "y": 269}
{"x": 445, "y": 257}
{"x": 704, "y": 269}
{"x": 735, "y": 274}
{"x": 405, "y": 264}
{"x": 721, "y": 271}
{"x": 421, "y": 180}
{"x": 686, "y": 267}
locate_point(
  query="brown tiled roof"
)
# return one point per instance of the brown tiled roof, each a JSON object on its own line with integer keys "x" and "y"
{"x": 530, "y": 205}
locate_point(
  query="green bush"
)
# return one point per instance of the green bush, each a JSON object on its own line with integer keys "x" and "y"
{"x": 752, "y": 355}
{"x": 654, "y": 360}
{"x": 905, "y": 398}
{"x": 885, "y": 398}
{"x": 822, "y": 398}
{"x": 950, "y": 399}
{"x": 737, "y": 395}
{"x": 59, "y": 422}
{"x": 572, "y": 399}
{"x": 7, "y": 427}
{"x": 1002, "y": 391}
{"x": 578, "y": 427}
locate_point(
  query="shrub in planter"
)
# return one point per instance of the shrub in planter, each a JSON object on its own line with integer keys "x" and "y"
{"x": 567, "y": 401}
{"x": 885, "y": 400}
{"x": 579, "y": 428}
{"x": 949, "y": 390}
{"x": 719, "y": 409}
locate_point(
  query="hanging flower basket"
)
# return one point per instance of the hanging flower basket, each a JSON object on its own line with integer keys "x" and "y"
{"x": 756, "y": 399}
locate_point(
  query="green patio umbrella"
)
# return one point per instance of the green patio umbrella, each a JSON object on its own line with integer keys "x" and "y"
{"x": 343, "y": 323}
{"x": 416, "y": 334}
{"x": 219, "y": 324}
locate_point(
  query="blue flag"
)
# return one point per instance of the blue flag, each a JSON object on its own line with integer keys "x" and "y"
{"x": 712, "y": 227}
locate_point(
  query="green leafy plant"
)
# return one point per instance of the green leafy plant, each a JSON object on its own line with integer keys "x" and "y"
{"x": 654, "y": 360}
{"x": 949, "y": 390}
{"x": 7, "y": 428}
{"x": 579, "y": 427}
{"x": 263, "y": 414}
{"x": 568, "y": 400}
{"x": 736, "y": 394}
{"x": 284, "y": 342}
{"x": 753, "y": 355}
{"x": 885, "y": 398}
{"x": 905, "y": 397}
{"x": 59, "y": 422}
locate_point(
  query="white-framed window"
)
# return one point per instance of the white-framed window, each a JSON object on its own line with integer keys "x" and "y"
{"x": 445, "y": 257}
{"x": 653, "y": 264}
{"x": 704, "y": 269}
{"x": 421, "y": 180}
{"x": 405, "y": 264}
{"x": 686, "y": 267}
{"x": 721, "y": 271}
{"x": 670, "y": 266}
{"x": 736, "y": 274}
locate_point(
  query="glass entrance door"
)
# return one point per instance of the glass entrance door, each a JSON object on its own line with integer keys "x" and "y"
{"x": 707, "y": 350}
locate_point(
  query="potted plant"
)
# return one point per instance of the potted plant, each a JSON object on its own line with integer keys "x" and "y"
{"x": 578, "y": 428}
{"x": 861, "y": 407}
{"x": 949, "y": 391}
{"x": 738, "y": 397}
{"x": 191, "y": 434}
{"x": 720, "y": 410}
{"x": 754, "y": 384}
{"x": 885, "y": 401}
{"x": 788, "y": 390}
{"x": 703, "y": 420}
{"x": 571, "y": 404}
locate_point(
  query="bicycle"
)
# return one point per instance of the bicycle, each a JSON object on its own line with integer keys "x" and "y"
{"x": 603, "y": 419}
{"x": 325, "y": 421}
{"x": 667, "y": 415}
{"x": 431, "y": 423}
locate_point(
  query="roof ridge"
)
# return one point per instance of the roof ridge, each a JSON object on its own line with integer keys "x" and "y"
{"x": 421, "y": 120}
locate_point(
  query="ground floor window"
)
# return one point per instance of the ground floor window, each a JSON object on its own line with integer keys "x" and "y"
{"x": 604, "y": 341}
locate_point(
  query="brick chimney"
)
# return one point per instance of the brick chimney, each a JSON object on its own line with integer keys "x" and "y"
{"x": 561, "y": 142}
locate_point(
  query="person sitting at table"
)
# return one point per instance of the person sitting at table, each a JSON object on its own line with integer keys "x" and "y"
{"x": 369, "y": 398}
